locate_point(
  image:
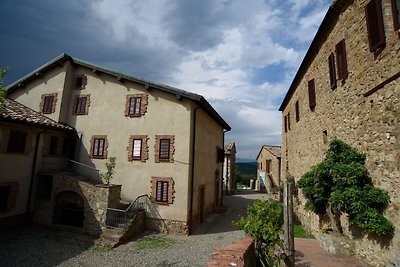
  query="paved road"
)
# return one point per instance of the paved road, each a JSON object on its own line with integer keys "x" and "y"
{"x": 31, "y": 247}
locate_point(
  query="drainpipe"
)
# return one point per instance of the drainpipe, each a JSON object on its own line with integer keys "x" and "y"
{"x": 28, "y": 203}
{"x": 192, "y": 174}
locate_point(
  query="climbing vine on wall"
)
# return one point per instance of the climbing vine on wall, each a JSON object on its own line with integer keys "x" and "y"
{"x": 341, "y": 184}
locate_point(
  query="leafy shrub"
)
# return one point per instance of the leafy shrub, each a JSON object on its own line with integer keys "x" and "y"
{"x": 109, "y": 174}
{"x": 341, "y": 183}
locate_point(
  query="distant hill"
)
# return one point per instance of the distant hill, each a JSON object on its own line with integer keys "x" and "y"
{"x": 248, "y": 168}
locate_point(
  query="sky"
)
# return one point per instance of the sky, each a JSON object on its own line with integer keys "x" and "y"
{"x": 241, "y": 55}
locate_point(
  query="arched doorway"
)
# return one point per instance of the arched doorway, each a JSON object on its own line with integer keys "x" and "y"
{"x": 68, "y": 209}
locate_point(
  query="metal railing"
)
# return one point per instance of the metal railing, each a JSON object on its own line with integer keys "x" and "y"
{"x": 117, "y": 218}
{"x": 83, "y": 169}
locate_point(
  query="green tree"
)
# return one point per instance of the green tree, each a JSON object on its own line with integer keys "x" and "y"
{"x": 341, "y": 184}
{"x": 264, "y": 222}
{"x": 109, "y": 174}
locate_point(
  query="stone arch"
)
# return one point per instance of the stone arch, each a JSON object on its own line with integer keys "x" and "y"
{"x": 68, "y": 209}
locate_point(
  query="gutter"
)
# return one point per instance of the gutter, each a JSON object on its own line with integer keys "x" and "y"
{"x": 28, "y": 203}
{"x": 192, "y": 174}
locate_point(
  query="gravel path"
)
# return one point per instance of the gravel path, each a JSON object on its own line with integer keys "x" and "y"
{"x": 29, "y": 246}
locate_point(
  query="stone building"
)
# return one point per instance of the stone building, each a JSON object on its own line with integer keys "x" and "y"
{"x": 166, "y": 141}
{"x": 269, "y": 169}
{"x": 229, "y": 172}
{"x": 347, "y": 86}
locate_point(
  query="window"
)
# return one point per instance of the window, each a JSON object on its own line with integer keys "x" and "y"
{"x": 164, "y": 148}
{"x": 48, "y": 103}
{"x": 311, "y": 95}
{"x": 325, "y": 136}
{"x": 99, "y": 147}
{"x": 53, "y": 145}
{"x": 268, "y": 166}
{"x": 332, "y": 71}
{"x": 288, "y": 121}
{"x": 296, "y": 105}
{"x": 81, "y": 105}
{"x": 396, "y": 14}
{"x": 136, "y": 105}
{"x": 162, "y": 190}
{"x": 341, "y": 60}
{"x": 16, "y": 142}
{"x": 375, "y": 26}
{"x": 286, "y": 125}
{"x": 80, "y": 82}
{"x": 44, "y": 187}
{"x": 8, "y": 196}
{"x": 137, "y": 148}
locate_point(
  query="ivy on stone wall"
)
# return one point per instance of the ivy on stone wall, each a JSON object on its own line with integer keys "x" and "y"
{"x": 341, "y": 184}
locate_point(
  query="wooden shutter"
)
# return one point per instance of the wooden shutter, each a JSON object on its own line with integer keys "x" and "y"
{"x": 286, "y": 126}
{"x": 288, "y": 121}
{"x": 137, "y": 149}
{"x": 296, "y": 105}
{"x": 164, "y": 148}
{"x": 396, "y": 14}
{"x": 375, "y": 26}
{"x": 341, "y": 60}
{"x": 162, "y": 191}
{"x": 98, "y": 146}
{"x": 311, "y": 95}
{"x": 332, "y": 71}
{"x": 48, "y": 104}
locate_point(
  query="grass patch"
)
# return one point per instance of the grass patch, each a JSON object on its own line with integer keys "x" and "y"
{"x": 300, "y": 232}
{"x": 99, "y": 248}
{"x": 151, "y": 242}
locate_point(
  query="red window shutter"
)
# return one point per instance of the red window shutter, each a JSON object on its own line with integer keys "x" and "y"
{"x": 341, "y": 60}
{"x": 311, "y": 94}
{"x": 375, "y": 26}
{"x": 332, "y": 71}
{"x": 396, "y": 14}
{"x": 297, "y": 111}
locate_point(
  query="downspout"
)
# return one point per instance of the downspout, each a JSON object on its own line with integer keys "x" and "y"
{"x": 28, "y": 203}
{"x": 192, "y": 174}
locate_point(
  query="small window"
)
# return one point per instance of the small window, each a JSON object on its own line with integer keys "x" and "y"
{"x": 285, "y": 122}
{"x": 341, "y": 60}
{"x": 260, "y": 165}
{"x": 48, "y": 104}
{"x": 16, "y": 142}
{"x": 375, "y": 26}
{"x": 268, "y": 166}
{"x": 311, "y": 95}
{"x": 162, "y": 191}
{"x": 44, "y": 187}
{"x": 99, "y": 146}
{"x": 137, "y": 149}
{"x": 325, "y": 136}
{"x": 332, "y": 71}
{"x": 164, "y": 149}
{"x": 288, "y": 121}
{"x": 80, "y": 107}
{"x": 296, "y": 105}
{"x": 396, "y": 14}
{"x": 80, "y": 82}
{"x": 134, "y": 106}
{"x": 53, "y": 145}
{"x": 4, "y": 196}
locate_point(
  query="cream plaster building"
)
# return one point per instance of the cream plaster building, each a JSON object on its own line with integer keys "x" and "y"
{"x": 167, "y": 142}
{"x": 348, "y": 87}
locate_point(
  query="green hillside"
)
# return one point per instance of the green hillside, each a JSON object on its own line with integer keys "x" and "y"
{"x": 247, "y": 168}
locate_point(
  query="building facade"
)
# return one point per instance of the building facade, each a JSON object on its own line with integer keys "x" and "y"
{"x": 269, "y": 169}
{"x": 229, "y": 172}
{"x": 165, "y": 140}
{"x": 348, "y": 87}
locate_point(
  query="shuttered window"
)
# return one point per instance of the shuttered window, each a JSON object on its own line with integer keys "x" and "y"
{"x": 98, "y": 147}
{"x": 16, "y": 142}
{"x": 297, "y": 109}
{"x": 137, "y": 149}
{"x": 311, "y": 95}
{"x": 80, "y": 107}
{"x": 286, "y": 126}
{"x": 162, "y": 191}
{"x": 134, "y": 106}
{"x": 341, "y": 59}
{"x": 80, "y": 82}
{"x": 48, "y": 104}
{"x": 396, "y": 14}
{"x": 375, "y": 26}
{"x": 332, "y": 71}
{"x": 164, "y": 149}
{"x": 288, "y": 121}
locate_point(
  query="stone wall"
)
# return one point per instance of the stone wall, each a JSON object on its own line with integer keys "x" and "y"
{"x": 167, "y": 226}
{"x": 96, "y": 199}
{"x": 368, "y": 122}
{"x": 273, "y": 177}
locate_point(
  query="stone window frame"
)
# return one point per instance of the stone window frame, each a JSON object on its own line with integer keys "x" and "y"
{"x": 143, "y": 105}
{"x": 87, "y": 104}
{"x": 144, "y": 150}
{"x": 170, "y": 193}
{"x": 171, "y": 139}
{"x": 12, "y": 194}
{"x": 43, "y": 106}
{"x": 105, "y": 147}
{"x": 80, "y": 82}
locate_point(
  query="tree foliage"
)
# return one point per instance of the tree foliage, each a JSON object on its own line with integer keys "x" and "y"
{"x": 340, "y": 183}
{"x": 109, "y": 174}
